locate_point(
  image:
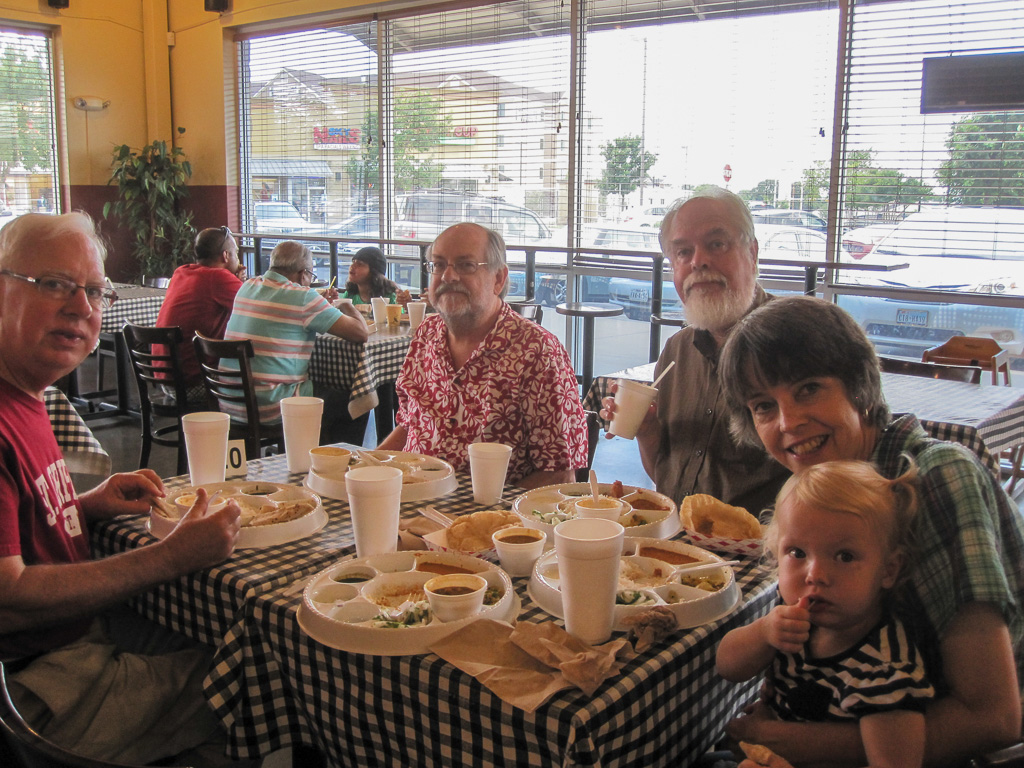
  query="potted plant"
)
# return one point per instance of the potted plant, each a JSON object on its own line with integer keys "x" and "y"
{"x": 152, "y": 182}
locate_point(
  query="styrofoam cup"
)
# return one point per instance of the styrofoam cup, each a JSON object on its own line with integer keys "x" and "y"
{"x": 380, "y": 312}
{"x": 453, "y": 607}
{"x": 632, "y": 400}
{"x": 416, "y": 310}
{"x": 374, "y": 498}
{"x": 605, "y": 508}
{"x": 206, "y": 445}
{"x": 329, "y": 458}
{"x": 588, "y": 552}
{"x": 488, "y": 464}
{"x": 301, "y": 419}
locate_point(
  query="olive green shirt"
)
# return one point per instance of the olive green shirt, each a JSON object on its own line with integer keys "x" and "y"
{"x": 696, "y": 453}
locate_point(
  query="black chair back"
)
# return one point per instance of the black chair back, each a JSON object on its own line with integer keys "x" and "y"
{"x": 156, "y": 367}
{"x": 528, "y": 310}
{"x": 237, "y": 389}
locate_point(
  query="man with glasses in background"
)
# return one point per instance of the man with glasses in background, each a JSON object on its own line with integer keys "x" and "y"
{"x": 281, "y": 314}
{"x": 199, "y": 298}
{"x": 83, "y": 670}
{"x": 479, "y": 372}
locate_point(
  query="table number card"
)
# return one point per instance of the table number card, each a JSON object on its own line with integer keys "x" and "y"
{"x": 236, "y": 465}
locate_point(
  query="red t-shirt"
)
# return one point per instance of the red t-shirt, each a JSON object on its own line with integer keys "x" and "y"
{"x": 199, "y": 298}
{"x": 40, "y": 515}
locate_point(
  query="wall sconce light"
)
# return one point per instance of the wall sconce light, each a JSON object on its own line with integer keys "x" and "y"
{"x": 90, "y": 103}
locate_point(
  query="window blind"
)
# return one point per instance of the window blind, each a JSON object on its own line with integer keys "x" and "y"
{"x": 28, "y": 180}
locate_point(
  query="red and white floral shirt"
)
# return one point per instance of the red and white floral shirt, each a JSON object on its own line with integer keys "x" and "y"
{"x": 518, "y": 388}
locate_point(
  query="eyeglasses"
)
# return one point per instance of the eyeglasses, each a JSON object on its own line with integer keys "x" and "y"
{"x": 310, "y": 272}
{"x": 62, "y": 289}
{"x": 461, "y": 267}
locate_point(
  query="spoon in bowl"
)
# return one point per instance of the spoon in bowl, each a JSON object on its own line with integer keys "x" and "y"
{"x": 593, "y": 485}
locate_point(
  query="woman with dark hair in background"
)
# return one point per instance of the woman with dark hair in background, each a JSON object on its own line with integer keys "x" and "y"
{"x": 368, "y": 279}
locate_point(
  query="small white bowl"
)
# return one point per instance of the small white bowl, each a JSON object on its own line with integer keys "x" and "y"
{"x": 455, "y": 596}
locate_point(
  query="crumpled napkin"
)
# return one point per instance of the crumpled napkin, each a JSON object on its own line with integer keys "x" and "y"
{"x": 527, "y": 664}
{"x": 411, "y": 531}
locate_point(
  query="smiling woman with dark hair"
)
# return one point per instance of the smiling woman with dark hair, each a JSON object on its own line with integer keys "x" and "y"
{"x": 801, "y": 380}
{"x": 368, "y": 279}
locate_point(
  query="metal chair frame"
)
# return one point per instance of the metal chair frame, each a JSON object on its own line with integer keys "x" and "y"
{"x": 967, "y": 373}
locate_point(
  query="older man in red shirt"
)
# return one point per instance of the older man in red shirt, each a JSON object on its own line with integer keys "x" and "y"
{"x": 478, "y": 372}
{"x": 200, "y": 297}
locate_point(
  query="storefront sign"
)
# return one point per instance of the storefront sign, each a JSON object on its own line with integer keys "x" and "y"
{"x": 336, "y": 138}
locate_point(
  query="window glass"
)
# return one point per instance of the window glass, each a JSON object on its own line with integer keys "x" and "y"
{"x": 27, "y": 169}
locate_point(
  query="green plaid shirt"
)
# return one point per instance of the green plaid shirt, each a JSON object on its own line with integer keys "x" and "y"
{"x": 970, "y": 538}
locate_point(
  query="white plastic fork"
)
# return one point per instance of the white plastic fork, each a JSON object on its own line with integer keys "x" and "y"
{"x": 438, "y": 517}
{"x": 691, "y": 567}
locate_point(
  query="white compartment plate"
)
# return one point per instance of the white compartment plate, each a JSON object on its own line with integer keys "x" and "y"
{"x": 259, "y": 536}
{"x": 664, "y": 524}
{"x": 426, "y": 478}
{"x": 692, "y": 606}
{"x": 338, "y": 614}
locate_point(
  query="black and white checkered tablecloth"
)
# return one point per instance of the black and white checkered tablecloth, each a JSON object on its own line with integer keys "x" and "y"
{"x": 359, "y": 368}
{"x": 135, "y": 304}
{"x": 986, "y": 419}
{"x": 82, "y": 451}
{"x": 273, "y": 686}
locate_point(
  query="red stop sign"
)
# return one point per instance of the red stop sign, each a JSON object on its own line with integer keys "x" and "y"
{"x": 727, "y": 172}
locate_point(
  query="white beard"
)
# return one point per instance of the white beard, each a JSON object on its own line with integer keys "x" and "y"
{"x": 719, "y": 312}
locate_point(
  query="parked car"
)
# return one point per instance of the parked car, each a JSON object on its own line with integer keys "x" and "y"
{"x": 650, "y": 216}
{"x": 789, "y": 217}
{"x": 551, "y": 288}
{"x": 963, "y": 249}
{"x": 281, "y": 217}
{"x": 424, "y": 214}
{"x": 861, "y": 241}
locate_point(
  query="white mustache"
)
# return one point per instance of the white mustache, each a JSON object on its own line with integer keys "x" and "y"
{"x": 704, "y": 277}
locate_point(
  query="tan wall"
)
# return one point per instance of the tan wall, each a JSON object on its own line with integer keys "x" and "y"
{"x": 118, "y": 50}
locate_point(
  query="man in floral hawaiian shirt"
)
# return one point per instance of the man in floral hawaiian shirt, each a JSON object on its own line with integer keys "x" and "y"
{"x": 479, "y": 372}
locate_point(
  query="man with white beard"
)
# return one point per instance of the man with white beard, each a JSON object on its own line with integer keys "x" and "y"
{"x": 684, "y": 440}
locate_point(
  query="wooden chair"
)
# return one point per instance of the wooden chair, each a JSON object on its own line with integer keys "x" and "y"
{"x": 989, "y": 356}
{"x": 972, "y": 350}
{"x": 21, "y": 746}
{"x": 152, "y": 372}
{"x": 236, "y": 389}
{"x": 528, "y": 310}
{"x": 593, "y": 436}
{"x": 156, "y": 282}
{"x": 669, "y": 319}
{"x": 968, "y": 373}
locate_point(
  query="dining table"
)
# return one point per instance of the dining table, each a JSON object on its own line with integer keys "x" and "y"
{"x": 83, "y": 453}
{"x": 272, "y": 685}
{"x": 367, "y": 371}
{"x": 987, "y": 419}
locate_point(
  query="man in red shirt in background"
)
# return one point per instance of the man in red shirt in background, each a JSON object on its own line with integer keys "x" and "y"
{"x": 200, "y": 297}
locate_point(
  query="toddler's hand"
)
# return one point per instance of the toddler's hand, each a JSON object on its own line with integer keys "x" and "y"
{"x": 789, "y": 626}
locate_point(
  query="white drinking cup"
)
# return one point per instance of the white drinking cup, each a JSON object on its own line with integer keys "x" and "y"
{"x": 341, "y": 302}
{"x": 301, "y": 419}
{"x": 588, "y": 552}
{"x": 206, "y": 444}
{"x": 416, "y": 310}
{"x": 374, "y": 498}
{"x": 380, "y": 312}
{"x": 488, "y": 464}
{"x": 518, "y": 549}
{"x": 632, "y": 400}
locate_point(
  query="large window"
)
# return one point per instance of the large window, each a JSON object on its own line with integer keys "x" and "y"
{"x": 27, "y": 169}
{"x": 417, "y": 120}
{"x": 940, "y": 191}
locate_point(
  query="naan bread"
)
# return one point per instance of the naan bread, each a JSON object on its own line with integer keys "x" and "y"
{"x": 472, "y": 533}
{"x": 707, "y": 515}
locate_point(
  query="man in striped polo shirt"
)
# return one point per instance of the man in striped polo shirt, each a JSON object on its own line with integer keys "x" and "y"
{"x": 281, "y": 315}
